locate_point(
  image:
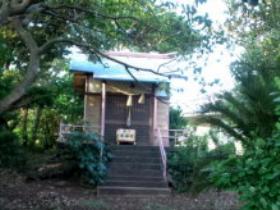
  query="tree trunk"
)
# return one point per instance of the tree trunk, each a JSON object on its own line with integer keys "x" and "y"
{"x": 33, "y": 68}
{"x": 24, "y": 126}
{"x": 38, "y": 114}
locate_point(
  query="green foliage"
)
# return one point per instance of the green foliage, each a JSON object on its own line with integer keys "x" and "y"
{"x": 255, "y": 175}
{"x": 11, "y": 152}
{"x": 105, "y": 25}
{"x": 68, "y": 103}
{"x": 191, "y": 165}
{"x": 183, "y": 164}
{"x": 49, "y": 104}
{"x": 7, "y": 81}
{"x": 5, "y": 53}
{"x": 143, "y": 25}
{"x": 260, "y": 20}
{"x": 95, "y": 27}
{"x": 86, "y": 149}
{"x": 248, "y": 113}
{"x": 176, "y": 118}
{"x": 248, "y": 109}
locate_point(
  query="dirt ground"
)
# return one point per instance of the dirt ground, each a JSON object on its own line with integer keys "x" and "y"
{"x": 17, "y": 193}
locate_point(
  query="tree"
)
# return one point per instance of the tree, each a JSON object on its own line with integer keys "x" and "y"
{"x": 251, "y": 111}
{"x": 246, "y": 22}
{"x": 54, "y": 102}
{"x": 248, "y": 110}
{"x": 35, "y": 32}
{"x": 176, "y": 118}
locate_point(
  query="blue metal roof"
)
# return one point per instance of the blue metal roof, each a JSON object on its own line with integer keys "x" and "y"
{"x": 115, "y": 72}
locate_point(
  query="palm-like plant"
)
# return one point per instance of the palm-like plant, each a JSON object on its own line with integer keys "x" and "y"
{"x": 249, "y": 109}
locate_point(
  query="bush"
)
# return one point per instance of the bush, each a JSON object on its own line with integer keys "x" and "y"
{"x": 11, "y": 152}
{"x": 255, "y": 175}
{"x": 183, "y": 164}
{"x": 85, "y": 150}
{"x": 190, "y": 166}
{"x": 223, "y": 152}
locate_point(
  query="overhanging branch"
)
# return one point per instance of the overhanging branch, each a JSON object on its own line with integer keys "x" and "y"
{"x": 89, "y": 11}
{"x": 89, "y": 48}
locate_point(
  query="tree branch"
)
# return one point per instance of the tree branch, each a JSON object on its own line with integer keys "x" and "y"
{"x": 32, "y": 70}
{"x": 89, "y": 48}
{"x": 19, "y": 6}
{"x": 89, "y": 11}
{"x": 4, "y": 11}
{"x": 49, "y": 44}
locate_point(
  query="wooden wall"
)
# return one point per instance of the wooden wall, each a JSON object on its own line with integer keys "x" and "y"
{"x": 117, "y": 111}
{"x": 92, "y": 110}
{"x": 163, "y": 114}
{"x": 162, "y": 120}
{"x": 79, "y": 82}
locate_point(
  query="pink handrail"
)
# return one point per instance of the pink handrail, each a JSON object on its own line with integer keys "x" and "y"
{"x": 175, "y": 135}
{"x": 162, "y": 153}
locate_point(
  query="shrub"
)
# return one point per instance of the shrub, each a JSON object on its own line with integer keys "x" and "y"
{"x": 255, "y": 175}
{"x": 183, "y": 163}
{"x": 84, "y": 149}
{"x": 190, "y": 166}
{"x": 11, "y": 152}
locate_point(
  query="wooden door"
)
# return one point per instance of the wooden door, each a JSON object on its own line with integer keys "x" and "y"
{"x": 117, "y": 113}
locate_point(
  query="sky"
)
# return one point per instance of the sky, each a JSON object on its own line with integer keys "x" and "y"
{"x": 189, "y": 98}
{"x": 217, "y": 67}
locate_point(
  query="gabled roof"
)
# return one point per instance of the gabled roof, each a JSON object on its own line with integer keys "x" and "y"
{"x": 113, "y": 71}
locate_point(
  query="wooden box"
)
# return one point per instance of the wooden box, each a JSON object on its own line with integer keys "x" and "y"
{"x": 126, "y": 136}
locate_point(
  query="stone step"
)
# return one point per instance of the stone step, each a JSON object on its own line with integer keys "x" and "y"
{"x": 125, "y": 183}
{"x": 110, "y": 190}
{"x": 134, "y": 148}
{"x": 134, "y": 166}
{"x": 129, "y": 159}
{"x": 136, "y": 172}
{"x": 129, "y": 154}
{"x": 135, "y": 178}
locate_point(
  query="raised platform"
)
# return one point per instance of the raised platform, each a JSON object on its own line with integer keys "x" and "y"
{"x": 134, "y": 170}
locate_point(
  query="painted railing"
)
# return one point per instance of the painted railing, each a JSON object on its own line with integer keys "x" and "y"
{"x": 65, "y": 129}
{"x": 178, "y": 135}
{"x": 175, "y": 136}
{"x": 164, "y": 138}
{"x": 162, "y": 152}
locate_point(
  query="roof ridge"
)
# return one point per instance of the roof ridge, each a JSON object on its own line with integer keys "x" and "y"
{"x": 141, "y": 54}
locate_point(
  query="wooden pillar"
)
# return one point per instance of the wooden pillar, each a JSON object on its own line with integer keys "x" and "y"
{"x": 86, "y": 98}
{"x": 155, "y": 114}
{"x": 103, "y": 108}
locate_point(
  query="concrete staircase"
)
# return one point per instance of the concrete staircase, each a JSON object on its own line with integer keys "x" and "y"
{"x": 134, "y": 170}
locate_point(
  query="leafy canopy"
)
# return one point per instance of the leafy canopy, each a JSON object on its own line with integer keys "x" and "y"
{"x": 34, "y": 33}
